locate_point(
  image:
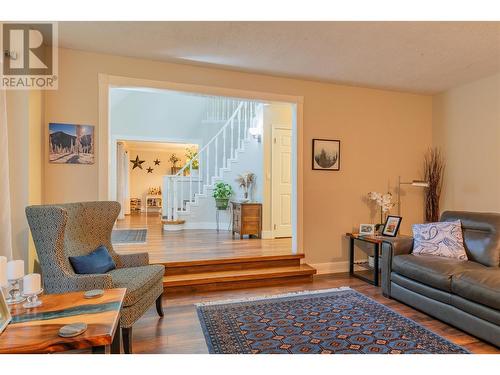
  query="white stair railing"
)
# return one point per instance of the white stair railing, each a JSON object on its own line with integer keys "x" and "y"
{"x": 212, "y": 159}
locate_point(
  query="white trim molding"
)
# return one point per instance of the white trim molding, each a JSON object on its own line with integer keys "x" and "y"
{"x": 330, "y": 267}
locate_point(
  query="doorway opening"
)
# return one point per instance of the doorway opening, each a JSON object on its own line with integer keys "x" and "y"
{"x": 143, "y": 121}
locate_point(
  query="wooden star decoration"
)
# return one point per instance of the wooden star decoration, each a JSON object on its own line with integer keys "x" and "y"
{"x": 137, "y": 162}
{"x": 157, "y": 161}
{"x": 150, "y": 170}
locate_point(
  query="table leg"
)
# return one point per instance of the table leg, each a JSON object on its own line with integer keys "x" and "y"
{"x": 351, "y": 256}
{"x": 116, "y": 343}
{"x": 100, "y": 349}
{"x": 375, "y": 263}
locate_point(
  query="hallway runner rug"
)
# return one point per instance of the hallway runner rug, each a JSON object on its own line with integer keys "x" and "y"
{"x": 326, "y": 321}
{"x": 128, "y": 236}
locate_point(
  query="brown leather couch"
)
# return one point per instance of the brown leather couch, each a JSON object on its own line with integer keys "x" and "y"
{"x": 465, "y": 294}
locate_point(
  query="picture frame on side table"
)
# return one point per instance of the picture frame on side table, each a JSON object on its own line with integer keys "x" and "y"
{"x": 366, "y": 229}
{"x": 5, "y": 316}
{"x": 391, "y": 226}
{"x": 326, "y": 154}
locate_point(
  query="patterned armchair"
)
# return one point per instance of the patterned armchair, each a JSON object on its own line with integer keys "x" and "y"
{"x": 61, "y": 231}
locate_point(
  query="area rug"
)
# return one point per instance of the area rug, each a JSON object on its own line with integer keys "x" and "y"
{"x": 326, "y": 321}
{"x": 128, "y": 236}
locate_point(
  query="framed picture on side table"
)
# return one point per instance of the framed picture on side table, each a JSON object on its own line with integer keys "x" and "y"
{"x": 366, "y": 229}
{"x": 5, "y": 316}
{"x": 391, "y": 226}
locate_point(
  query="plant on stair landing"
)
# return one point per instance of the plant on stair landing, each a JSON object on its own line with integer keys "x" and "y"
{"x": 222, "y": 193}
{"x": 191, "y": 154}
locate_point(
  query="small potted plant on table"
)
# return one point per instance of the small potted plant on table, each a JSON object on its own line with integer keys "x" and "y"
{"x": 222, "y": 193}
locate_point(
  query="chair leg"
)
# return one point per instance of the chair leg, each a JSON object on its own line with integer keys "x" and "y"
{"x": 127, "y": 340}
{"x": 159, "y": 308}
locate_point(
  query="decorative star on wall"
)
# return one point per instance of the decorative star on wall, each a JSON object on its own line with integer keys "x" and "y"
{"x": 150, "y": 170}
{"x": 137, "y": 162}
{"x": 157, "y": 161}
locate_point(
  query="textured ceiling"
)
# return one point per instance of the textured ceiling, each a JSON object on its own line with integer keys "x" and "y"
{"x": 422, "y": 57}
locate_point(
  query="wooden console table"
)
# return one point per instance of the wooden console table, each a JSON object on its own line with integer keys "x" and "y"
{"x": 247, "y": 218}
{"x": 36, "y": 330}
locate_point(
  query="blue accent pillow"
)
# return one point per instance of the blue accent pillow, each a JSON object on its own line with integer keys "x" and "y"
{"x": 98, "y": 261}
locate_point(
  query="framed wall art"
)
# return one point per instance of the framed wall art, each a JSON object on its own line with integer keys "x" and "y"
{"x": 326, "y": 154}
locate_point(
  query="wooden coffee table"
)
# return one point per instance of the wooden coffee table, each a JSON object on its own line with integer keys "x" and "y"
{"x": 36, "y": 330}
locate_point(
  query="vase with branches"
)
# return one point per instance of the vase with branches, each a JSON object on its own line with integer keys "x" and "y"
{"x": 245, "y": 181}
{"x": 434, "y": 166}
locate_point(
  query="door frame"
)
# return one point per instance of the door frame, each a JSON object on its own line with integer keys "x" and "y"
{"x": 274, "y": 127}
{"x": 107, "y": 81}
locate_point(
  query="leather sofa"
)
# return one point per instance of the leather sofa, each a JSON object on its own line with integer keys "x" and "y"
{"x": 465, "y": 294}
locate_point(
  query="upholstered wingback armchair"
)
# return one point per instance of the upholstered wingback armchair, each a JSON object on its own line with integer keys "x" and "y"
{"x": 61, "y": 231}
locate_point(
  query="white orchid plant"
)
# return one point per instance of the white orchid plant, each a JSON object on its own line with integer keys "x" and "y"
{"x": 384, "y": 201}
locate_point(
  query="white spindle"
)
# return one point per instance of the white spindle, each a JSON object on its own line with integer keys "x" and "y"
{"x": 239, "y": 134}
{"x": 245, "y": 119}
{"x": 216, "y": 156}
{"x": 199, "y": 173}
{"x": 175, "y": 199}
{"x": 232, "y": 138}
{"x": 191, "y": 183}
{"x": 208, "y": 164}
{"x": 224, "y": 161}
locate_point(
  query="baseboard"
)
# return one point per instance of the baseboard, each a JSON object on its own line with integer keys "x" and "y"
{"x": 206, "y": 225}
{"x": 267, "y": 234}
{"x": 330, "y": 267}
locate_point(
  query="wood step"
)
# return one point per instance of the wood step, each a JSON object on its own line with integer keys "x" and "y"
{"x": 236, "y": 278}
{"x": 227, "y": 264}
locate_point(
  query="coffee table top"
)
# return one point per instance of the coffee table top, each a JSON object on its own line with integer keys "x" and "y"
{"x": 36, "y": 330}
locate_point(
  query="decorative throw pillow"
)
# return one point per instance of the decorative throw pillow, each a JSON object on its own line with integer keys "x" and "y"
{"x": 98, "y": 261}
{"x": 442, "y": 239}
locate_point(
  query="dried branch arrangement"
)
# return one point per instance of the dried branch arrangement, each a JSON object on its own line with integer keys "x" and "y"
{"x": 434, "y": 165}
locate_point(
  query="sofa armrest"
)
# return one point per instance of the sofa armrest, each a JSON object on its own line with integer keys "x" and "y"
{"x": 73, "y": 283}
{"x": 390, "y": 248}
{"x": 133, "y": 260}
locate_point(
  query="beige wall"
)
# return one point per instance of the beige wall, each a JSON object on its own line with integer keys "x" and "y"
{"x": 384, "y": 134}
{"x": 24, "y": 121}
{"x": 466, "y": 126}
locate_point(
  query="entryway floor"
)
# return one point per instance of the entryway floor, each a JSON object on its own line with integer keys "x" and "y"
{"x": 194, "y": 244}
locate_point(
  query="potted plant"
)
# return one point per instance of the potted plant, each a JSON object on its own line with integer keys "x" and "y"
{"x": 174, "y": 160}
{"x": 191, "y": 154}
{"x": 222, "y": 193}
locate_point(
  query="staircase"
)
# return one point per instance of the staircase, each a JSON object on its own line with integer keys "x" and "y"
{"x": 184, "y": 194}
{"x": 223, "y": 274}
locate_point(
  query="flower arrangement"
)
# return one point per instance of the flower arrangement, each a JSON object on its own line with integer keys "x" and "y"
{"x": 191, "y": 154}
{"x": 245, "y": 181}
{"x": 174, "y": 160}
{"x": 383, "y": 200}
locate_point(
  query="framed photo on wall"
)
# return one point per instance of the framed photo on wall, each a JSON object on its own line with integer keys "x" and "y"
{"x": 71, "y": 144}
{"x": 326, "y": 154}
{"x": 391, "y": 225}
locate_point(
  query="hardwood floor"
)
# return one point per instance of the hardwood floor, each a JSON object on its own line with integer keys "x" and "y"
{"x": 180, "y": 332}
{"x": 191, "y": 245}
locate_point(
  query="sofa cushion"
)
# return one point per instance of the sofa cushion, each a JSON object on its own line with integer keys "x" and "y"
{"x": 98, "y": 261}
{"x": 432, "y": 270}
{"x": 440, "y": 239}
{"x": 137, "y": 280}
{"x": 481, "y": 286}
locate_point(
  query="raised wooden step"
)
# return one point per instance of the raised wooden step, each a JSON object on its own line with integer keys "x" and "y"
{"x": 232, "y": 279}
{"x": 229, "y": 264}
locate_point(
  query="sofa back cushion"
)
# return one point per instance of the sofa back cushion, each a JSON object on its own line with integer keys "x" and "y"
{"x": 481, "y": 234}
{"x": 443, "y": 239}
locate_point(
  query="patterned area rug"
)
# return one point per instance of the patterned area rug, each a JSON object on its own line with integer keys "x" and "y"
{"x": 128, "y": 236}
{"x": 325, "y": 321}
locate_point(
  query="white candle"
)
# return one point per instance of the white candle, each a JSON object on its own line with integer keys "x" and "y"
{"x": 3, "y": 271}
{"x": 15, "y": 269}
{"x": 32, "y": 283}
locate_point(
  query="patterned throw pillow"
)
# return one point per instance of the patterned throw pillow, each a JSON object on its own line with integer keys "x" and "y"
{"x": 442, "y": 239}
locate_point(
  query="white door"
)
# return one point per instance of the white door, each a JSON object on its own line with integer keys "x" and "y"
{"x": 281, "y": 182}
